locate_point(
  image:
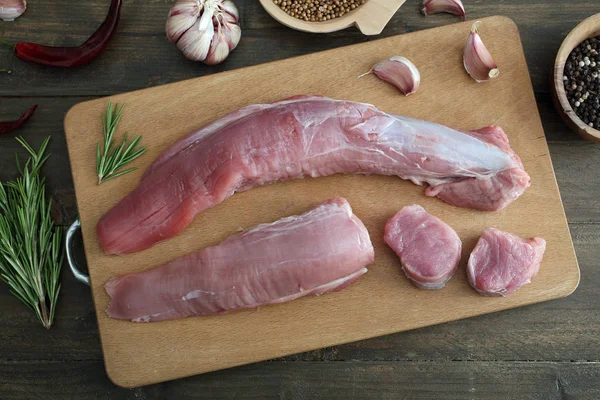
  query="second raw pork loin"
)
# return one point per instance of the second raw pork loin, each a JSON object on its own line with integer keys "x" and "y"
{"x": 309, "y": 136}
{"x": 322, "y": 250}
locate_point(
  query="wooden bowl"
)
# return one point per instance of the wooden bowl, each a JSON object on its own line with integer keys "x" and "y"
{"x": 585, "y": 30}
{"x": 370, "y": 18}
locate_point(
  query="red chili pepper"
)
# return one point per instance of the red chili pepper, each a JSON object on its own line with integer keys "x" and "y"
{"x": 73, "y": 56}
{"x": 9, "y": 126}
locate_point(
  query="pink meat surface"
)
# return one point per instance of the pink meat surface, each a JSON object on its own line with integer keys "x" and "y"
{"x": 429, "y": 249}
{"x": 502, "y": 262}
{"x": 322, "y": 250}
{"x": 309, "y": 136}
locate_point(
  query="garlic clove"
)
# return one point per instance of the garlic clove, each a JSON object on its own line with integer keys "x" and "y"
{"x": 12, "y": 9}
{"x": 178, "y": 24}
{"x": 182, "y": 17}
{"x": 231, "y": 10}
{"x": 185, "y": 7}
{"x": 477, "y": 59}
{"x": 400, "y": 72}
{"x": 455, "y": 7}
{"x": 204, "y": 30}
{"x": 195, "y": 43}
{"x": 232, "y": 35}
{"x": 219, "y": 50}
{"x": 229, "y": 18}
{"x": 207, "y": 16}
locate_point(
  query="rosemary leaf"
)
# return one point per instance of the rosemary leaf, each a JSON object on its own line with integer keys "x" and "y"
{"x": 30, "y": 244}
{"x": 113, "y": 158}
{"x": 116, "y": 175}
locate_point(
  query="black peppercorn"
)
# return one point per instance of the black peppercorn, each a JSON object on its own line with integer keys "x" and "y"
{"x": 582, "y": 81}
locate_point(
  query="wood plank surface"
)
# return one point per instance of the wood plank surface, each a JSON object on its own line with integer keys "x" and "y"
{"x": 66, "y": 362}
{"x": 140, "y": 55}
{"x": 377, "y": 380}
{"x": 213, "y": 343}
{"x": 556, "y": 330}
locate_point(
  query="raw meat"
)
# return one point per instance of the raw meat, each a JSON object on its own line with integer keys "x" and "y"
{"x": 502, "y": 262}
{"x": 309, "y": 136}
{"x": 322, "y": 250}
{"x": 429, "y": 249}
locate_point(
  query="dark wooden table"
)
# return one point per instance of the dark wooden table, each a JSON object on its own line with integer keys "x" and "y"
{"x": 545, "y": 351}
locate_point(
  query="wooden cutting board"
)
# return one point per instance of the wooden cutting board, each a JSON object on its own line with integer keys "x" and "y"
{"x": 381, "y": 302}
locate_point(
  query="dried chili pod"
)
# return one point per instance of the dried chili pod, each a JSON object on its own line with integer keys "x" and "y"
{"x": 9, "y": 126}
{"x": 73, "y": 56}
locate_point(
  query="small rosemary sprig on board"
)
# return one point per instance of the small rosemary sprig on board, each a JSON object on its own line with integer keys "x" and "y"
{"x": 30, "y": 244}
{"x": 111, "y": 160}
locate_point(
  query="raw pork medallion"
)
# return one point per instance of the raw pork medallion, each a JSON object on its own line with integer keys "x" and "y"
{"x": 429, "y": 249}
{"x": 502, "y": 262}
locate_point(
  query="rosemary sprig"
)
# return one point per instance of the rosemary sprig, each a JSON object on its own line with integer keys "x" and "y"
{"x": 110, "y": 161}
{"x": 30, "y": 245}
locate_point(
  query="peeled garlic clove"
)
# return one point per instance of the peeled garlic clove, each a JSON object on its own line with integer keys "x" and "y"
{"x": 400, "y": 72}
{"x": 455, "y": 7}
{"x": 477, "y": 59}
{"x": 11, "y": 9}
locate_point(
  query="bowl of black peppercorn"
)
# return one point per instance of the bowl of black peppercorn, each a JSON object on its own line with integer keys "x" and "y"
{"x": 576, "y": 79}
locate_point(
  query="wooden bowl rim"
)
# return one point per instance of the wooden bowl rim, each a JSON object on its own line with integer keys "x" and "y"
{"x": 559, "y": 87}
{"x": 354, "y": 17}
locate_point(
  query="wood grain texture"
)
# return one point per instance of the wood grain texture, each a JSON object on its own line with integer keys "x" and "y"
{"x": 567, "y": 329}
{"x": 66, "y": 362}
{"x": 325, "y": 380}
{"x": 220, "y": 342}
{"x": 140, "y": 55}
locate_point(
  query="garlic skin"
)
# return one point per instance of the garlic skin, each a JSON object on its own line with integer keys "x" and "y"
{"x": 477, "y": 59}
{"x": 455, "y": 7}
{"x": 400, "y": 72}
{"x": 204, "y": 30}
{"x": 12, "y": 9}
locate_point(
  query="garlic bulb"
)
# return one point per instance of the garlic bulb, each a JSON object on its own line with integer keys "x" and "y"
{"x": 400, "y": 72}
{"x": 477, "y": 59}
{"x": 11, "y": 9}
{"x": 448, "y": 6}
{"x": 204, "y": 30}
